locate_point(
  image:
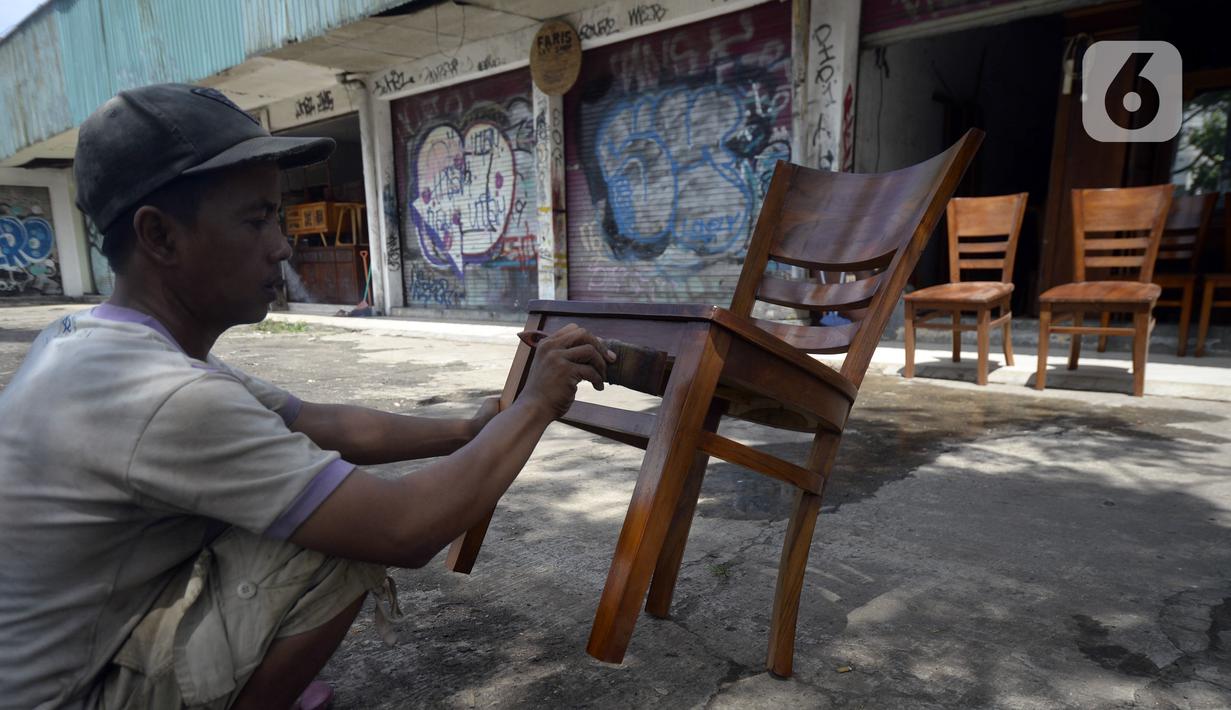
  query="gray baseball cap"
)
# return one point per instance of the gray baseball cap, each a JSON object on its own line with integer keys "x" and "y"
{"x": 146, "y": 137}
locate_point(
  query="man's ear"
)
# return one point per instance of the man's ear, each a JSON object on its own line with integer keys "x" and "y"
{"x": 157, "y": 235}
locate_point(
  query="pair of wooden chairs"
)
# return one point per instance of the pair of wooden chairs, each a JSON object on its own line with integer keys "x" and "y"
{"x": 723, "y": 361}
{"x": 1118, "y": 235}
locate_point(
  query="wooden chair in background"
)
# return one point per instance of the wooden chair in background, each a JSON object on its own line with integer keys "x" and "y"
{"x": 1120, "y": 215}
{"x": 1213, "y": 282}
{"x": 725, "y": 362}
{"x": 971, "y": 220}
{"x": 1183, "y": 239}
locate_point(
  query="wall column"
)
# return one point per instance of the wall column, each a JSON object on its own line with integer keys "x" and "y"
{"x": 825, "y": 93}
{"x": 378, "y": 292}
{"x": 384, "y": 210}
{"x": 552, "y": 244}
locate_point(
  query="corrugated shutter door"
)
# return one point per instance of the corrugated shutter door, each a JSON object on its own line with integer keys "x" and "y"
{"x": 671, "y": 142}
{"x": 464, "y": 164}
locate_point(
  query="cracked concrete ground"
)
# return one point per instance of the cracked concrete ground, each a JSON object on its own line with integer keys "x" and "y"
{"x": 979, "y": 547}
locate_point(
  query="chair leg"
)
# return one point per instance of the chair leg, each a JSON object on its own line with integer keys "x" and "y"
{"x": 666, "y": 572}
{"x": 957, "y": 337}
{"x": 1040, "y": 377}
{"x": 664, "y": 471}
{"x": 1105, "y": 322}
{"x": 465, "y": 549}
{"x": 1141, "y": 347}
{"x": 1079, "y": 319}
{"x": 1186, "y": 314}
{"x": 1007, "y": 336}
{"x": 909, "y": 370}
{"x": 984, "y": 335}
{"x": 791, "y": 570}
{"x": 1203, "y": 325}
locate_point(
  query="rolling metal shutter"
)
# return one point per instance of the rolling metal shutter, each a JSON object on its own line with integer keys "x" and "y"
{"x": 464, "y": 166}
{"x": 670, "y": 144}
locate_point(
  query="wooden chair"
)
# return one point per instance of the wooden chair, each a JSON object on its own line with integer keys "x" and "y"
{"x": 1213, "y": 282}
{"x": 725, "y": 362}
{"x": 975, "y": 219}
{"x": 1183, "y": 240}
{"x": 1118, "y": 214}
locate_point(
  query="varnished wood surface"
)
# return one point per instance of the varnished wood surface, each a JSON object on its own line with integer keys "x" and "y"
{"x": 973, "y": 292}
{"x": 1102, "y": 292}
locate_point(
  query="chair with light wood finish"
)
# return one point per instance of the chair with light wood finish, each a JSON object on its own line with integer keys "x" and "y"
{"x": 1213, "y": 282}
{"x": 1119, "y": 216}
{"x": 725, "y": 362}
{"x": 971, "y": 221}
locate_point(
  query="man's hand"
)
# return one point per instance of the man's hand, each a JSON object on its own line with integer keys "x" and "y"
{"x": 561, "y": 361}
{"x": 489, "y": 409}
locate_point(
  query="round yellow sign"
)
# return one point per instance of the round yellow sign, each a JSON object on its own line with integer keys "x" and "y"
{"x": 555, "y": 57}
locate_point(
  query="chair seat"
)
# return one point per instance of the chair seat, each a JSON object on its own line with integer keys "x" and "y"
{"x": 963, "y": 292}
{"x": 1098, "y": 292}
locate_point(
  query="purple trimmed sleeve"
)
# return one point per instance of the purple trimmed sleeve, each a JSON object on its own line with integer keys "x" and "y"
{"x": 289, "y": 411}
{"x": 309, "y": 499}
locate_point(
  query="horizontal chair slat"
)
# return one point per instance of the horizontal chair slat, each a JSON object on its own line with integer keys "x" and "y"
{"x": 1102, "y": 261}
{"x": 982, "y": 247}
{"x": 818, "y": 296}
{"x": 1117, "y": 243}
{"x": 748, "y": 457}
{"x": 1089, "y": 330}
{"x": 980, "y": 263}
{"x": 812, "y": 338}
{"x": 629, "y": 427}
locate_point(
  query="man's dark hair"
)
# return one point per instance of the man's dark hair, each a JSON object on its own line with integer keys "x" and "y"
{"x": 180, "y": 198}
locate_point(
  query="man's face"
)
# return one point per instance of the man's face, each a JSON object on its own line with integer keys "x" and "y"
{"x": 231, "y": 255}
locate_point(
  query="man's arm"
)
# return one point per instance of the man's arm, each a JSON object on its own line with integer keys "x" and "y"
{"x": 405, "y": 522}
{"x": 368, "y": 436}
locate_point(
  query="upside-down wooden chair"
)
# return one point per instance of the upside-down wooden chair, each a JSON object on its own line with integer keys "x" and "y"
{"x": 725, "y": 362}
{"x": 1183, "y": 239}
{"x": 971, "y": 220}
{"x": 1212, "y": 282}
{"x": 1120, "y": 216}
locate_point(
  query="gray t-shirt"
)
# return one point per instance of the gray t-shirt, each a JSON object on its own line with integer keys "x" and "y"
{"x": 123, "y": 457}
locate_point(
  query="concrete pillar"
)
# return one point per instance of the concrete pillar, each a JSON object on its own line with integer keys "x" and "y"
{"x": 378, "y": 293}
{"x": 384, "y": 210}
{"x": 825, "y": 92}
{"x": 552, "y": 243}
{"x": 71, "y": 246}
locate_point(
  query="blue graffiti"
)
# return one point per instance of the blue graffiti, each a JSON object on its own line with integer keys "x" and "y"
{"x": 23, "y": 242}
{"x": 685, "y": 167}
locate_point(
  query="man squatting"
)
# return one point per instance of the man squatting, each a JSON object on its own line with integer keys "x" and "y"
{"x": 173, "y": 531}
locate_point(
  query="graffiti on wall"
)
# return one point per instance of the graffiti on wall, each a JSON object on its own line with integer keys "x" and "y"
{"x": 678, "y": 137}
{"x": 467, "y": 185}
{"x": 28, "y": 263}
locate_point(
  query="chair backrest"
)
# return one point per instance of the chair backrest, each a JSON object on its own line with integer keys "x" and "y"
{"x": 1188, "y": 222}
{"x": 1129, "y": 223}
{"x": 972, "y": 220}
{"x": 875, "y": 225}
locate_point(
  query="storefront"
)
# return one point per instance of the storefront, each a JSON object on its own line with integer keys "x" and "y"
{"x": 670, "y": 141}
{"x": 465, "y": 177}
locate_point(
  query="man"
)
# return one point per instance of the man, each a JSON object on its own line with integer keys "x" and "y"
{"x": 174, "y": 532}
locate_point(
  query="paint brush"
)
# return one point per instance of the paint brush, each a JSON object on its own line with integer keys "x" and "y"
{"x": 636, "y": 366}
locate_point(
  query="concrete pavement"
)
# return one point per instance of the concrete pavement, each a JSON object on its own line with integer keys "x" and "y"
{"x": 979, "y": 547}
